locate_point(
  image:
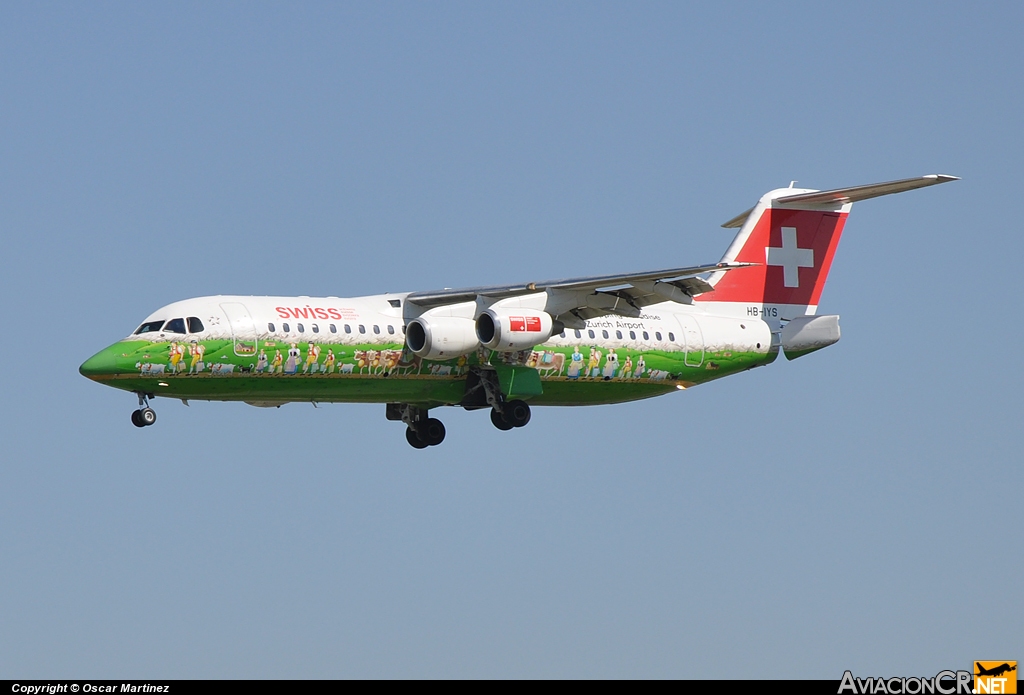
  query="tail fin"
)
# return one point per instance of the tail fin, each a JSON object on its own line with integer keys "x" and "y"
{"x": 791, "y": 236}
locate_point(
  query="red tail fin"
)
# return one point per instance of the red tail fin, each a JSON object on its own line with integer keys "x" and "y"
{"x": 791, "y": 235}
{"x": 793, "y": 250}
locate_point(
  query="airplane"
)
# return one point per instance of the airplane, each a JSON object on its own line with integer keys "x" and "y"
{"x": 995, "y": 671}
{"x": 505, "y": 348}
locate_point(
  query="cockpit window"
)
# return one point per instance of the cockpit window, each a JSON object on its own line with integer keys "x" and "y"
{"x": 175, "y": 326}
{"x": 195, "y": 325}
{"x": 149, "y": 327}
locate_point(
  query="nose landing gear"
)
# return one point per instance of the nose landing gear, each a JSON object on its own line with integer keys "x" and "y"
{"x": 144, "y": 416}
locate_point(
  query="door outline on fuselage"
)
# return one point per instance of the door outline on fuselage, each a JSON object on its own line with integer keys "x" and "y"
{"x": 693, "y": 338}
{"x": 243, "y": 330}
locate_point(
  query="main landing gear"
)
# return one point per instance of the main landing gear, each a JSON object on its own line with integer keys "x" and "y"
{"x": 428, "y": 433}
{"x": 505, "y": 415}
{"x": 421, "y": 431}
{"x": 482, "y": 391}
{"x": 144, "y": 416}
{"x": 513, "y": 414}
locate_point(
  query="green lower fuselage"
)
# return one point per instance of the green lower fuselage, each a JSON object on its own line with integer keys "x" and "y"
{"x": 271, "y": 372}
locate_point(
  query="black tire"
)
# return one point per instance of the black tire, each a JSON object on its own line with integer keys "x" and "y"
{"x": 137, "y": 419}
{"x": 147, "y": 416}
{"x": 498, "y": 421}
{"x": 414, "y": 439}
{"x": 517, "y": 413}
{"x": 433, "y": 431}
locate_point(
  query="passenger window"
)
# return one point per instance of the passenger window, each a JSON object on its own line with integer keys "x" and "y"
{"x": 591, "y": 333}
{"x": 618, "y": 334}
{"x": 632, "y": 335}
{"x": 562, "y": 334}
{"x": 376, "y": 329}
{"x": 270, "y": 328}
{"x": 578, "y": 334}
{"x": 300, "y": 328}
{"x": 175, "y": 326}
{"x": 195, "y": 325}
{"x": 646, "y": 337}
{"x": 672, "y": 337}
{"x": 362, "y": 328}
{"x": 391, "y": 329}
{"x": 605, "y": 334}
{"x": 285, "y": 327}
{"x": 316, "y": 328}
{"x": 151, "y": 327}
{"x": 403, "y": 329}
{"x": 658, "y": 335}
{"x": 334, "y": 329}
{"x": 348, "y": 328}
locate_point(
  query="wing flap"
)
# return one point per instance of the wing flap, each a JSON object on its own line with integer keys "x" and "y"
{"x": 694, "y": 286}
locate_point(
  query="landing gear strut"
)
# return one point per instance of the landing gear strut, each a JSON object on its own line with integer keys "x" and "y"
{"x": 422, "y": 431}
{"x": 483, "y": 390}
{"x": 144, "y": 416}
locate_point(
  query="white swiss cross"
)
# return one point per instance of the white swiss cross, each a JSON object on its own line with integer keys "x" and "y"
{"x": 790, "y": 257}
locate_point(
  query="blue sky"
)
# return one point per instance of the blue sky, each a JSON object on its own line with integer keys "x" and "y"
{"x": 853, "y": 509}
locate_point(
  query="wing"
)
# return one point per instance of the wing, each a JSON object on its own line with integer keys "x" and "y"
{"x": 597, "y": 295}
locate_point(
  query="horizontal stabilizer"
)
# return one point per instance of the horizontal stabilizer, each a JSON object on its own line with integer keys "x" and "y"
{"x": 873, "y": 190}
{"x": 737, "y": 222}
{"x": 841, "y": 196}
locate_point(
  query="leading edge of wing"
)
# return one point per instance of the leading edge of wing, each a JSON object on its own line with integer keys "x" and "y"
{"x": 469, "y": 294}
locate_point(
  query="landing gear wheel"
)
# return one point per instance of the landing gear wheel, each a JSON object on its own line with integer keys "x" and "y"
{"x": 499, "y": 421}
{"x": 137, "y": 418}
{"x": 517, "y": 413}
{"x": 433, "y": 431}
{"x": 414, "y": 439}
{"x": 147, "y": 416}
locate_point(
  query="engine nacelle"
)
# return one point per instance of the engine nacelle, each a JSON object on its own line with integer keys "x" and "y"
{"x": 441, "y": 337}
{"x": 511, "y": 330}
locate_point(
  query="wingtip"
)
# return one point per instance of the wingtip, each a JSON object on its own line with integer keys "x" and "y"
{"x": 942, "y": 178}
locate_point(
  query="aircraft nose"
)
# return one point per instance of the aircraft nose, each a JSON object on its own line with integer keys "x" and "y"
{"x": 100, "y": 364}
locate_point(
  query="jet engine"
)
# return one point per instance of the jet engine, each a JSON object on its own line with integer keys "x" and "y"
{"x": 511, "y": 330}
{"x": 441, "y": 337}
